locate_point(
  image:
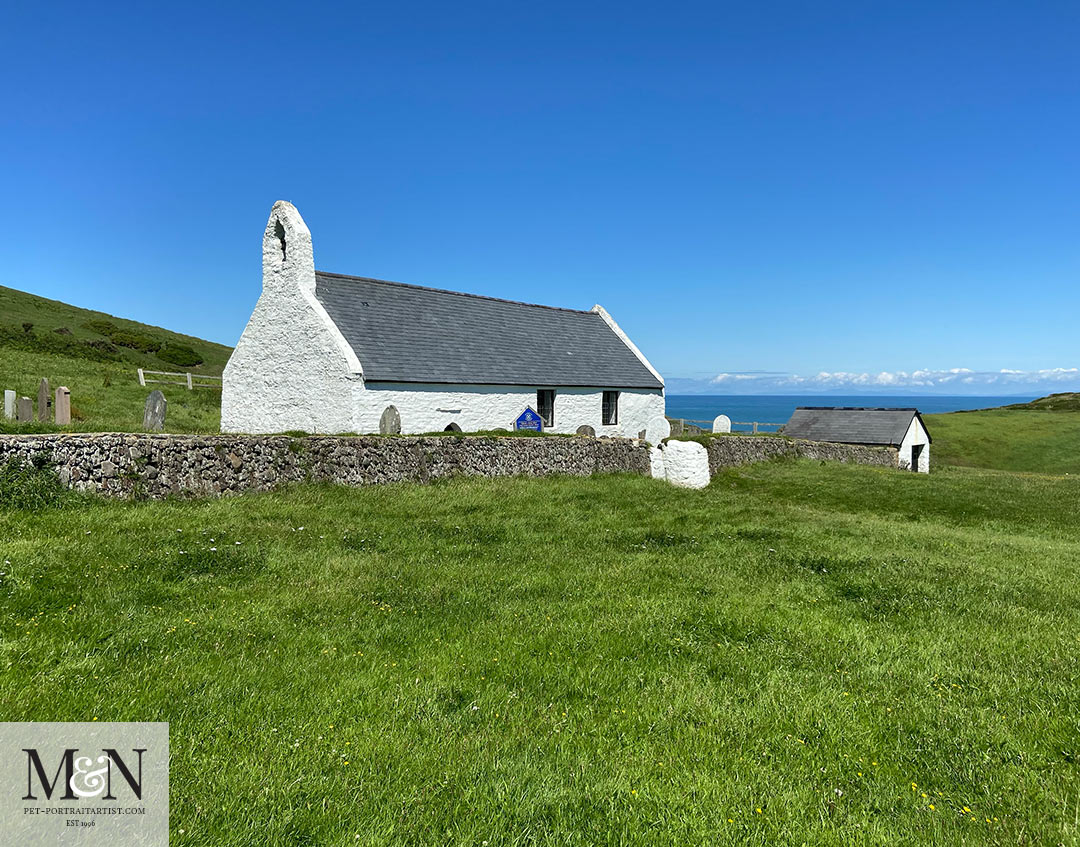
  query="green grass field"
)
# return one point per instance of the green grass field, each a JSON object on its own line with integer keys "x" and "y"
{"x": 801, "y": 653}
{"x": 1023, "y": 440}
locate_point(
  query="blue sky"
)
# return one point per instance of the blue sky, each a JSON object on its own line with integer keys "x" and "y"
{"x": 767, "y": 196}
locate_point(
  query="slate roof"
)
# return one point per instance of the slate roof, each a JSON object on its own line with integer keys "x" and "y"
{"x": 408, "y": 333}
{"x": 846, "y": 425}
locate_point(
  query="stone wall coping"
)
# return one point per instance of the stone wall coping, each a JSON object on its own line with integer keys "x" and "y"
{"x": 229, "y": 437}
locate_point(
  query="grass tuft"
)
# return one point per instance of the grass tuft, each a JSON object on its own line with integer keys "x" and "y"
{"x": 32, "y": 486}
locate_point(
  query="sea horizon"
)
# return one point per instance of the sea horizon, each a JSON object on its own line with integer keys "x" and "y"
{"x": 775, "y": 409}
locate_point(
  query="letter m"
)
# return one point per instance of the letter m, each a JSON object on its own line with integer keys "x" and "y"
{"x": 33, "y": 763}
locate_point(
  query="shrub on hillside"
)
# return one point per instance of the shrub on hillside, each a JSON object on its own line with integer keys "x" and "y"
{"x": 104, "y": 348}
{"x": 124, "y": 337}
{"x": 136, "y": 341}
{"x": 95, "y": 351}
{"x": 100, "y": 326}
{"x": 179, "y": 354}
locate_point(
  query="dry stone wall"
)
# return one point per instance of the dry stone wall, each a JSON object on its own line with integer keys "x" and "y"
{"x": 731, "y": 450}
{"x": 158, "y": 466}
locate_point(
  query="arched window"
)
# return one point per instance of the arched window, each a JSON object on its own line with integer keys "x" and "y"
{"x": 279, "y": 231}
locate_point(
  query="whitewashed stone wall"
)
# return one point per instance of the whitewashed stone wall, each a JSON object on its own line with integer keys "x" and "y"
{"x": 915, "y": 435}
{"x": 291, "y": 369}
{"x": 686, "y": 464}
{"x": 431, "y": 408}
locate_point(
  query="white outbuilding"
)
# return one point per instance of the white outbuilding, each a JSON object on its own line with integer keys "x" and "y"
{"x": 900, "y": 428}
{"x": 329, "y": 353}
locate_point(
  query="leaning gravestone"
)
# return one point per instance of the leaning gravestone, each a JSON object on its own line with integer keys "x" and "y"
{"x": 721, "y": 423}
{"x": 43, "y": 400}
{"x": 585, "y": 429}
{"x": 62, "y": 406}
{"x": 9, "y": 404}
{"x": 24, "y": 411}
{"x": 657, "y": 429}
{"x": 390, "y": 422}
{"x": 154, "y": 413}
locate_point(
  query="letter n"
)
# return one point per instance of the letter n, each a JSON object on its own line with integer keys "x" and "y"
{"x": 114, "y": 759}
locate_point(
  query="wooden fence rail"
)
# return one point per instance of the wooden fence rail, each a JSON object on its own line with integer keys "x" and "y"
{"x": 188, "y": 379}
{"x": 755, "y": 424}
{"x": 706, "y": 426}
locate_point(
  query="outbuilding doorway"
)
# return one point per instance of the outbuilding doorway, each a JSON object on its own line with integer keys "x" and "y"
{"x": 916, "y": 454}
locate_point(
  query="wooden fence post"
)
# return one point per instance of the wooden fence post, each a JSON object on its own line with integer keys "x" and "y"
{"x": 189, "y": 388}
{"x": 142, "y": 379}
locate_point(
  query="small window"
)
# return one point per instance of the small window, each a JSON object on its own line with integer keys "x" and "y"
{"x": 545, "y": 406}
{"x": 610, "y": 411}
{"x": 279, "y": 231}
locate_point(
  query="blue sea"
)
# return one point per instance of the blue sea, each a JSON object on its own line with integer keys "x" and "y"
{"x": 777, "y": 408}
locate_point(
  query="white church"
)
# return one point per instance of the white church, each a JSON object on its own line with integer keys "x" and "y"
{"x": 329, "y": 353}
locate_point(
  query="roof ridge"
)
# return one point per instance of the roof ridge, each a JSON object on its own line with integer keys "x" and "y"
{"x": 858, "y": 408}
{"x": 448, "y": 291}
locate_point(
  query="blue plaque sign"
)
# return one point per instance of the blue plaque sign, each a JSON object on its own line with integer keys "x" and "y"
{"x": 529, "y": 420}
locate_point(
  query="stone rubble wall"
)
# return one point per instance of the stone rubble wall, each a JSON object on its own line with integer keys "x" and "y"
{"x": 731, "y": 450}
{"x": 157, "y": 465}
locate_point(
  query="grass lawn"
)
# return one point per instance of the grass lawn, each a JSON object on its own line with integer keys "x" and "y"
{"x": 799, "y": 653}
{"x": 1032, "y": 440}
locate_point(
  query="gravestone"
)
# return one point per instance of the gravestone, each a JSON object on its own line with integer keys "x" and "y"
{"x": 154, "y": 413}
{"x": 390, "y": 422}
{"x": 721, "y": 423}
{"x": 24, "y": 410}
{"x": 585, "y": 429}
{"x": 62, "y": 406}
{"x": 657, "y": 429}
{"x": 9, "y": 404}
{"x": 43, "y": 400}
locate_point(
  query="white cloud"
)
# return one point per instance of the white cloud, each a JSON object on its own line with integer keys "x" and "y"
{"x": 922, "y": 380}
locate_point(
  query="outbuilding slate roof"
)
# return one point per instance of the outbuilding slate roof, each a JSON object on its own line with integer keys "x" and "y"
{"x": 852, "y": 425}
{"x": 408, "y": 333}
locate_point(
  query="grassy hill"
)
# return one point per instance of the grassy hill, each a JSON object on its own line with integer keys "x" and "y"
{"x": 96, "y": 355}
{"x": 1042, "y": 436}
{"x": 801, "y": 653}
{"x": 1065, "y": 402}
